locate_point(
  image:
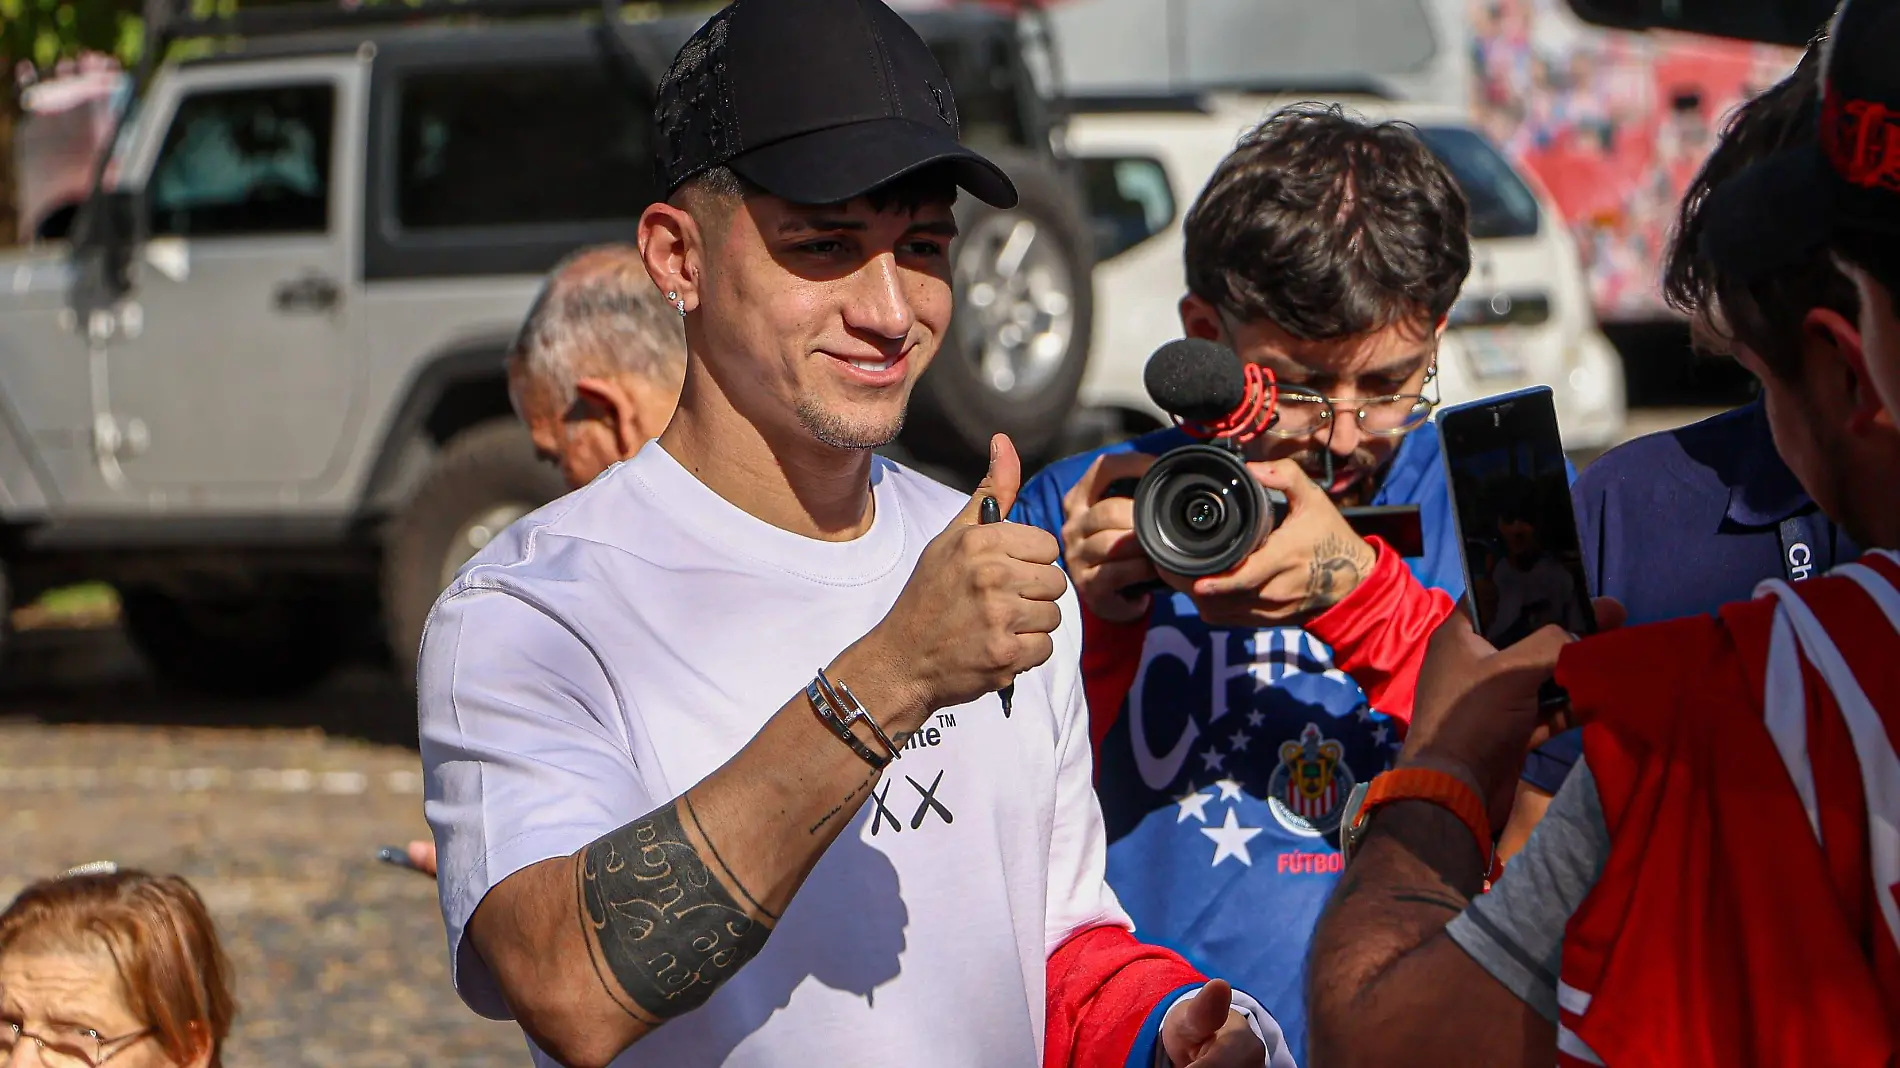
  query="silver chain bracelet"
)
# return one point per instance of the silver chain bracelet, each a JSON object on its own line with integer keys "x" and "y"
{"x": 839, "y": 708}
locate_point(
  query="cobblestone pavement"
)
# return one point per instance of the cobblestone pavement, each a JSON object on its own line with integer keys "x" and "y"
{"x": 274, "y": 811}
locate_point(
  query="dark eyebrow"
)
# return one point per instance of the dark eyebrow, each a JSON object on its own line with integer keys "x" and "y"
{"x": 818, "y": 224}
{"x": 797, "y": 224}
{"x": 1297, "y": 373}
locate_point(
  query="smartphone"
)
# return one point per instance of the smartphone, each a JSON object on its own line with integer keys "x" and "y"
{"x": 1510, "y": 491}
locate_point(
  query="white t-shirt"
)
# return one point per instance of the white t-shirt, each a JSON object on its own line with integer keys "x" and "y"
{"x": 614, "y": 648}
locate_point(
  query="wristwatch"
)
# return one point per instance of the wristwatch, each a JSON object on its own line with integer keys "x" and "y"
{"x": 1446, "y": 791}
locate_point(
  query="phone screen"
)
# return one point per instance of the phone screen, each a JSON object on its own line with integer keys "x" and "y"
{"x": 1511, "y": 492}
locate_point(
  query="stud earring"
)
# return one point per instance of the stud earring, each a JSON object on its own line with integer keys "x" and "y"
{"x": 679, "y": 304}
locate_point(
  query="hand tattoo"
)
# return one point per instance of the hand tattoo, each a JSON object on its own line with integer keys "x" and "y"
{"x": 1337, "y": 567}
{"x": 666, "y": 928}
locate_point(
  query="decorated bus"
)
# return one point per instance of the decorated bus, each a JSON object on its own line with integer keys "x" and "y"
{"x": 1611, "y": 115}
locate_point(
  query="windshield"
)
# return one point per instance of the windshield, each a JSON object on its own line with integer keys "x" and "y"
{"x": 1501, "y": 204}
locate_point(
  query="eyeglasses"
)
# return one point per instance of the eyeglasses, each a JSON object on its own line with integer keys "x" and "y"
{"x": 80, "y": 1047}
{"x": 1303, "y": 412}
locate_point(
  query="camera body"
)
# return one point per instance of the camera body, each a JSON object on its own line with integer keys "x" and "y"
{"x": 1199, "y": 511}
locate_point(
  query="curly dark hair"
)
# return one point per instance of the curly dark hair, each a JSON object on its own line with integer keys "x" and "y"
{"x": 1329, "y": 226}
{"x": 1764, "y": 314}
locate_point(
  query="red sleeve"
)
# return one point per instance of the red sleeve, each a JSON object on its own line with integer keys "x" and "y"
{"x": 1111, "y": 656}
{"x": 1378, "y": 633}
{"x": 1103, "y": 986}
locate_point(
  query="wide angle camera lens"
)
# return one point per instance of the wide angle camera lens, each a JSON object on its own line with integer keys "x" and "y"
{"x": 1199, "y": 511}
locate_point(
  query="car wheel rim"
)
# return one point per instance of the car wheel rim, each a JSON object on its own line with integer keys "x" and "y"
{"x": 473, "y": 536}
{"x": 1017, "y": 311}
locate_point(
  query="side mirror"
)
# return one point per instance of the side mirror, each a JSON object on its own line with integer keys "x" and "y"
{"x": 105, "y": 236}
{"x": 1129, "y": 201}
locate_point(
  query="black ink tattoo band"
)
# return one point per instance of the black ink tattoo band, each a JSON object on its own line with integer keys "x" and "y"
{"x": 668, "y": 930}
{"x": 732, "y": 876}
{"x": 593, "y": 954}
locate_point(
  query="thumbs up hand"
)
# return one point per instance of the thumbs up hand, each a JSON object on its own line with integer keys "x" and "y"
{"x": 980, "y": 606}
{"x": 1205, "y": 1032}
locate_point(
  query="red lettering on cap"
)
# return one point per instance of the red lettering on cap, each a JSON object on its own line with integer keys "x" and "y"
{"x": 1862, "y": 139}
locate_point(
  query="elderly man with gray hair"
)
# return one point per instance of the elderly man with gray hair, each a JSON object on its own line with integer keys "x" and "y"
{"x": 596, "y": 370}
{"x": 594, "y": 373}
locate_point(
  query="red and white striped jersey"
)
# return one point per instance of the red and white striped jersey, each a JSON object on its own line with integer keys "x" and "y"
{"x": 1748, "y": 912}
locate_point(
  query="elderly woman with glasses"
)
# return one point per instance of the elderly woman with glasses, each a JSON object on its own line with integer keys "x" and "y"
{"x": 103, "y": 966}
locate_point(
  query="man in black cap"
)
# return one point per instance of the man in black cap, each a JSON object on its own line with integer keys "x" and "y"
{"x": 745, "y": 683}
{"x": 1716, "y": 881}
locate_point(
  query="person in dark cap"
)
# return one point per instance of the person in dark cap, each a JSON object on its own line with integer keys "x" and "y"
{"x": 746, "y": 683}
{"x": 1715, "y": 881}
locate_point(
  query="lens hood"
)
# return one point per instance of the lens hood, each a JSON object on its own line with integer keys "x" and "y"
{"x": 1199, "y": 511}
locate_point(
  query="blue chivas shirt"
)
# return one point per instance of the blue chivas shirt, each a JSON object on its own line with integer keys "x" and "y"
{"x": 1229, "y": 759}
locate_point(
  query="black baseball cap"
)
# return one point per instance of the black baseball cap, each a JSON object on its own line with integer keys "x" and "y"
{"x": 815, "y": 101}
{"x": 1779, "y": 210}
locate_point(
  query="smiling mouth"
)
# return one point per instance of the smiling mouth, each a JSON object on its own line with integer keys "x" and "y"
{"x": 875, "y": 366}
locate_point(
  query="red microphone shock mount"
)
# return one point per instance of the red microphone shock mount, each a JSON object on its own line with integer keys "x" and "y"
{"x": 1258, "y": 410}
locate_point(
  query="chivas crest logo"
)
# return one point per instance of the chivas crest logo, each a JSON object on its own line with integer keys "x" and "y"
{"x": 1309, "y": 787}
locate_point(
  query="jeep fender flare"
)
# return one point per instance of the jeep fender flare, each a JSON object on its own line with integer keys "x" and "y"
{"x": 457, "y": 388}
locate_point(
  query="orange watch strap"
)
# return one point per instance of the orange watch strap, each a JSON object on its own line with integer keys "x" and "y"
{"x": 1445, "y": 790}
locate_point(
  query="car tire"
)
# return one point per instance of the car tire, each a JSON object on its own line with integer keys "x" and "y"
{"x": 238, "y": 645}
{"x": 1019, "y": 337}
{"x": 485, "y": 478}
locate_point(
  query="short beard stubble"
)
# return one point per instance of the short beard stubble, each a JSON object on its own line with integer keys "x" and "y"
{"x": 839, "y": 433}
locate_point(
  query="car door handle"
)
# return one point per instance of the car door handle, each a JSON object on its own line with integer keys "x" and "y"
{"x": 311, "y": 293}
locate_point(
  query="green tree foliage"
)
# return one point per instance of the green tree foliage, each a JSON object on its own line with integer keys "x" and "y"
{"x": 43, "y": 32}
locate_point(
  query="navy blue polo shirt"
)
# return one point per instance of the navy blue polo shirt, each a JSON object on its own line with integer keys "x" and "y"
{"x": 1679, "y": 523}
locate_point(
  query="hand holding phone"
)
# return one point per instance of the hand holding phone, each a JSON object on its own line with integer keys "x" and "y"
{"x": 1510, "y": 491}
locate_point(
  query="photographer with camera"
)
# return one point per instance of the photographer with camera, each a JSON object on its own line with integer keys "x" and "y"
{"x": 1233, "y": 712}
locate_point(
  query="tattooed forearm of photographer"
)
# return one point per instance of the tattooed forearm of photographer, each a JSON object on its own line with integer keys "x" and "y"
{"x": 666, "y": 920}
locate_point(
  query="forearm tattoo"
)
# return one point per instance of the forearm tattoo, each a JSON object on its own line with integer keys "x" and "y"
{"x": 1336, "y": 569}
{"x": 668, "y": 931}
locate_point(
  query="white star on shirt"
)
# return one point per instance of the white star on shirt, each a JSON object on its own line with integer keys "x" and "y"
{"x": 1230, "y": 840}
{"x": 1229, "y": 789}
{"x": 1256, "y": 718}
{"x": 1237, "y": 742}
{"x": 1378, "y": 735}
{"x": 1194, "y": 804}
{"x": 1213, "y": 760}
